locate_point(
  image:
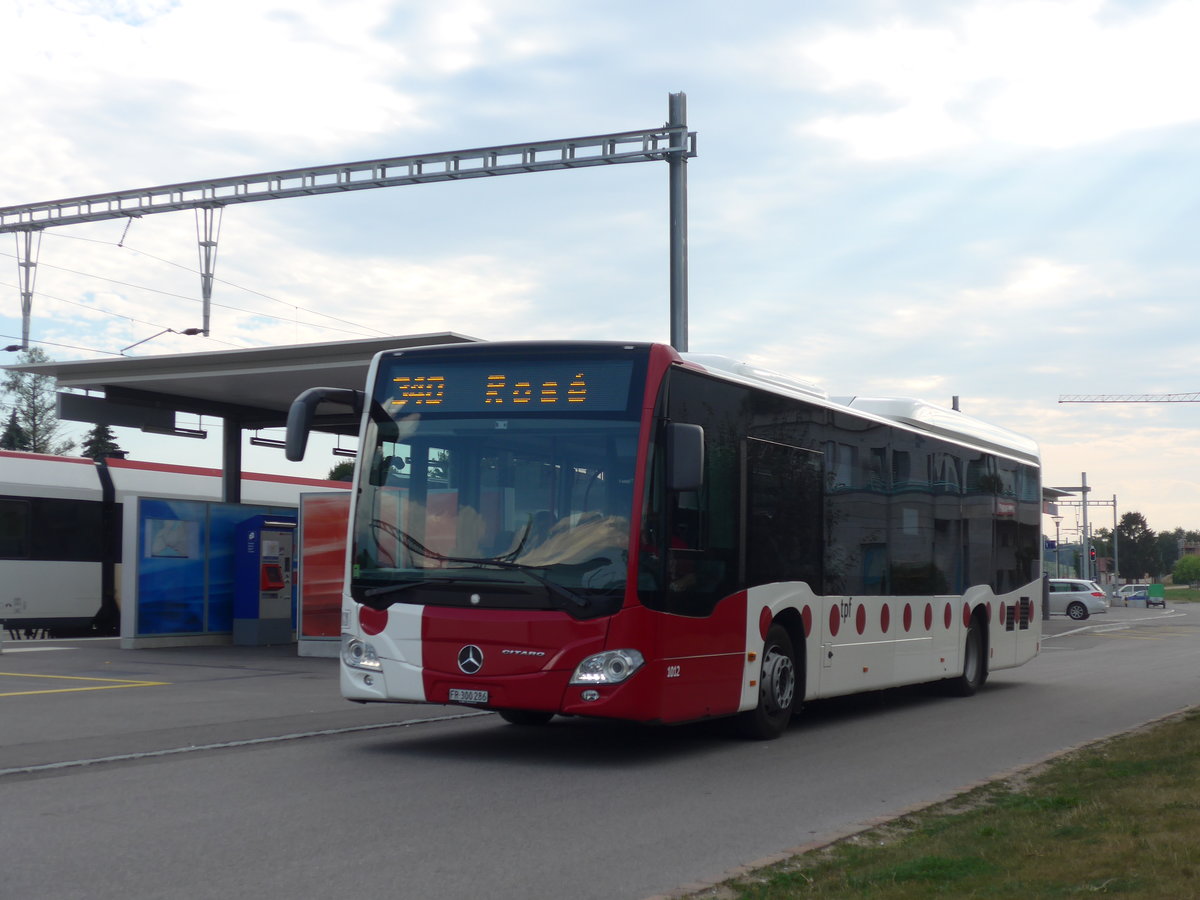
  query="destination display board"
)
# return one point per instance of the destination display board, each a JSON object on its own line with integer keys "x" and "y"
{"x": 508, "y": 387}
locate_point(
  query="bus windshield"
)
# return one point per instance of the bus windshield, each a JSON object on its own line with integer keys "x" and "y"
{"x": 469, "y": 502}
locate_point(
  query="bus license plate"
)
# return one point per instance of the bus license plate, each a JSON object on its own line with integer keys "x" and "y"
{"x": 459, "y": 695}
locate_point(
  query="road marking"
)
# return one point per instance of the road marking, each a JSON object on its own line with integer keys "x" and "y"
{"x": 1132, "y": 637}
{"x": 1109, "y": 626}
{"x": 225, "y": 745}
{"x": 107, "y": 684}
{"x": 36, "y": 649}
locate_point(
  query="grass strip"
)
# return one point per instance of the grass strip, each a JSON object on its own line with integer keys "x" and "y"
{"x": 1119, "y": 818}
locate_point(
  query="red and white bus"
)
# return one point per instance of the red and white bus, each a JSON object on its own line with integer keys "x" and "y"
{"x": 618, "y": 530}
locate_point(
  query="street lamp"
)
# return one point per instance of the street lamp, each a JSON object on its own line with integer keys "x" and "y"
{"x": 164, "y": 331}
{"x": 1057, "y": 564}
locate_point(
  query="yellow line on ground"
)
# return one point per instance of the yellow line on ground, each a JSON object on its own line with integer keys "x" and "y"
{"x": 109, "y": 684}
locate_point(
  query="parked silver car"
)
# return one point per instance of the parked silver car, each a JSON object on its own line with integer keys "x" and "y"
{"x": 1076, "y": 598}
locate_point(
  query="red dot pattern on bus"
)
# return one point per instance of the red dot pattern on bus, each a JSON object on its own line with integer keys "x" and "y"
{"x": 373, "y": 621}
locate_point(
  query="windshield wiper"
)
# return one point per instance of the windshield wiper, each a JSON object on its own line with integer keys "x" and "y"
{"x": 405, "y": 585}
{"x": 556, "y": 589}
{"x": 415, "y": 546}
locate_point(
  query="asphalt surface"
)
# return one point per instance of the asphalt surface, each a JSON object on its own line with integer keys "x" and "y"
{"x": 108, "y": 702}
{"x": 76, "y": 702}
{"x": 519, "y": 806}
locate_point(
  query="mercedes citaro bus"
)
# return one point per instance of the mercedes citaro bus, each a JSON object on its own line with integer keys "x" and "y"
{"x": 623, "y": 531}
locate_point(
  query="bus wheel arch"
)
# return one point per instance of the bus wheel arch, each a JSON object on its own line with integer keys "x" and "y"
{"x": 780, "y": 683}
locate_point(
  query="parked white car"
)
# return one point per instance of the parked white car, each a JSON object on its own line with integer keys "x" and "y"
{"x": 1127, "y": 592}
{"x": 1076, "y": 598}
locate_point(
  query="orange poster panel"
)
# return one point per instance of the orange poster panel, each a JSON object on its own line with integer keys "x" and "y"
{"x": 324, "y": 519}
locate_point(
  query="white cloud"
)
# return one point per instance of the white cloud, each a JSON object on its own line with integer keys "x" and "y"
{"x": 157, "y": 91}
{"x": 1043, "y": 289}
{"x": 1044, "y": 74}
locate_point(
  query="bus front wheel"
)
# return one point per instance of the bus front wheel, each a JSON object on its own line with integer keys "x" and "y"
{"x": 777, "y": 685}
{"x": 525, "y": 717}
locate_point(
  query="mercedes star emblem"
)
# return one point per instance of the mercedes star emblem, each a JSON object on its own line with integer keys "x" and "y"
{"x": 470, "y": 659}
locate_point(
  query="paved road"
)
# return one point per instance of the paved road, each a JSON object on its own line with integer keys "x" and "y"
{"x": 445, "y": 806}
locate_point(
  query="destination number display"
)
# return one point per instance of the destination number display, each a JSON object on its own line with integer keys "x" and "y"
{"x": 507, "y": 387}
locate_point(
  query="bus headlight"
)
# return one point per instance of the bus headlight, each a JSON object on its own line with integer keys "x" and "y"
{"x": 359, "y": 654}
{"x": 609, "y": 667}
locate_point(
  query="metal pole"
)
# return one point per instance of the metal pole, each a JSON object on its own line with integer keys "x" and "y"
{"x": 1116, "y": 558}
{"x": 231, "y": 464}
{"x": 206, "y": 239}
{"x": 1087, "y": 535}
{"x": 27, "y": 259}
{"x": 677, "y": 164}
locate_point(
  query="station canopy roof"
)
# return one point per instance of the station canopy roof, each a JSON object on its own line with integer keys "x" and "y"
{"x": 252, "y": 388}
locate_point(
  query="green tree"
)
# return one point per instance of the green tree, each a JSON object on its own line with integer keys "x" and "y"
{"x": 100, "y": 440}
{"x": 31, "y": 398}
{"x": 1187, "y": 570}
{"x": 1139, "y": 550}
{"x": 343, "y": 471}
{"x": 1168, "y": 547}
{"x": 14, "y": 437}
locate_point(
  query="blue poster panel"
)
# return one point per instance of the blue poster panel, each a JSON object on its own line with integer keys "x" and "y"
{"x": 185, "y": 561}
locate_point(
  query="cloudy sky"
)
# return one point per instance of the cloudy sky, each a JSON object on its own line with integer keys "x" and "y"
{"x": 989, "y": 199}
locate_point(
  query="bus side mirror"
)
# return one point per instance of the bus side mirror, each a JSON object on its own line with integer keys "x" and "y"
{"x": 685, "y": 456}
{"x": 300, "y": 415}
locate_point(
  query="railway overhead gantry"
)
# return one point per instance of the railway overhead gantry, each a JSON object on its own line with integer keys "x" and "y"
{"x": 671, "y": 143}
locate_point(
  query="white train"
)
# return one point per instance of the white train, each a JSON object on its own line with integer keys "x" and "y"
{"x": 64, "y": 522}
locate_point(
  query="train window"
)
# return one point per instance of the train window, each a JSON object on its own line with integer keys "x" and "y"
{"x": 67, "y": 530}
{"x": 14, "y": 529}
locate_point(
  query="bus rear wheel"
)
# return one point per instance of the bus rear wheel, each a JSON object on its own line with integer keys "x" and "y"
{"x": 525, "y": 716}
{"x": 974, "y": 672}
{"x": 777, "y": 689}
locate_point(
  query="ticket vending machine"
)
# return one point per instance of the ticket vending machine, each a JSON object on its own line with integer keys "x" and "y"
{"x": 264, "y": 597}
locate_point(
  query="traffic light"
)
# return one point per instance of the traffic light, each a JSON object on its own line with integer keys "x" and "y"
{"x": 1093, "y": 554}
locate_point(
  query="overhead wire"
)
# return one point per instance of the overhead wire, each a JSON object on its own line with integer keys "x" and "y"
{"x": 140, "y": 287}
{"x": 124, "y": 246}
{"x": 108, "y": 312}
{"x": 66, "y": 346}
